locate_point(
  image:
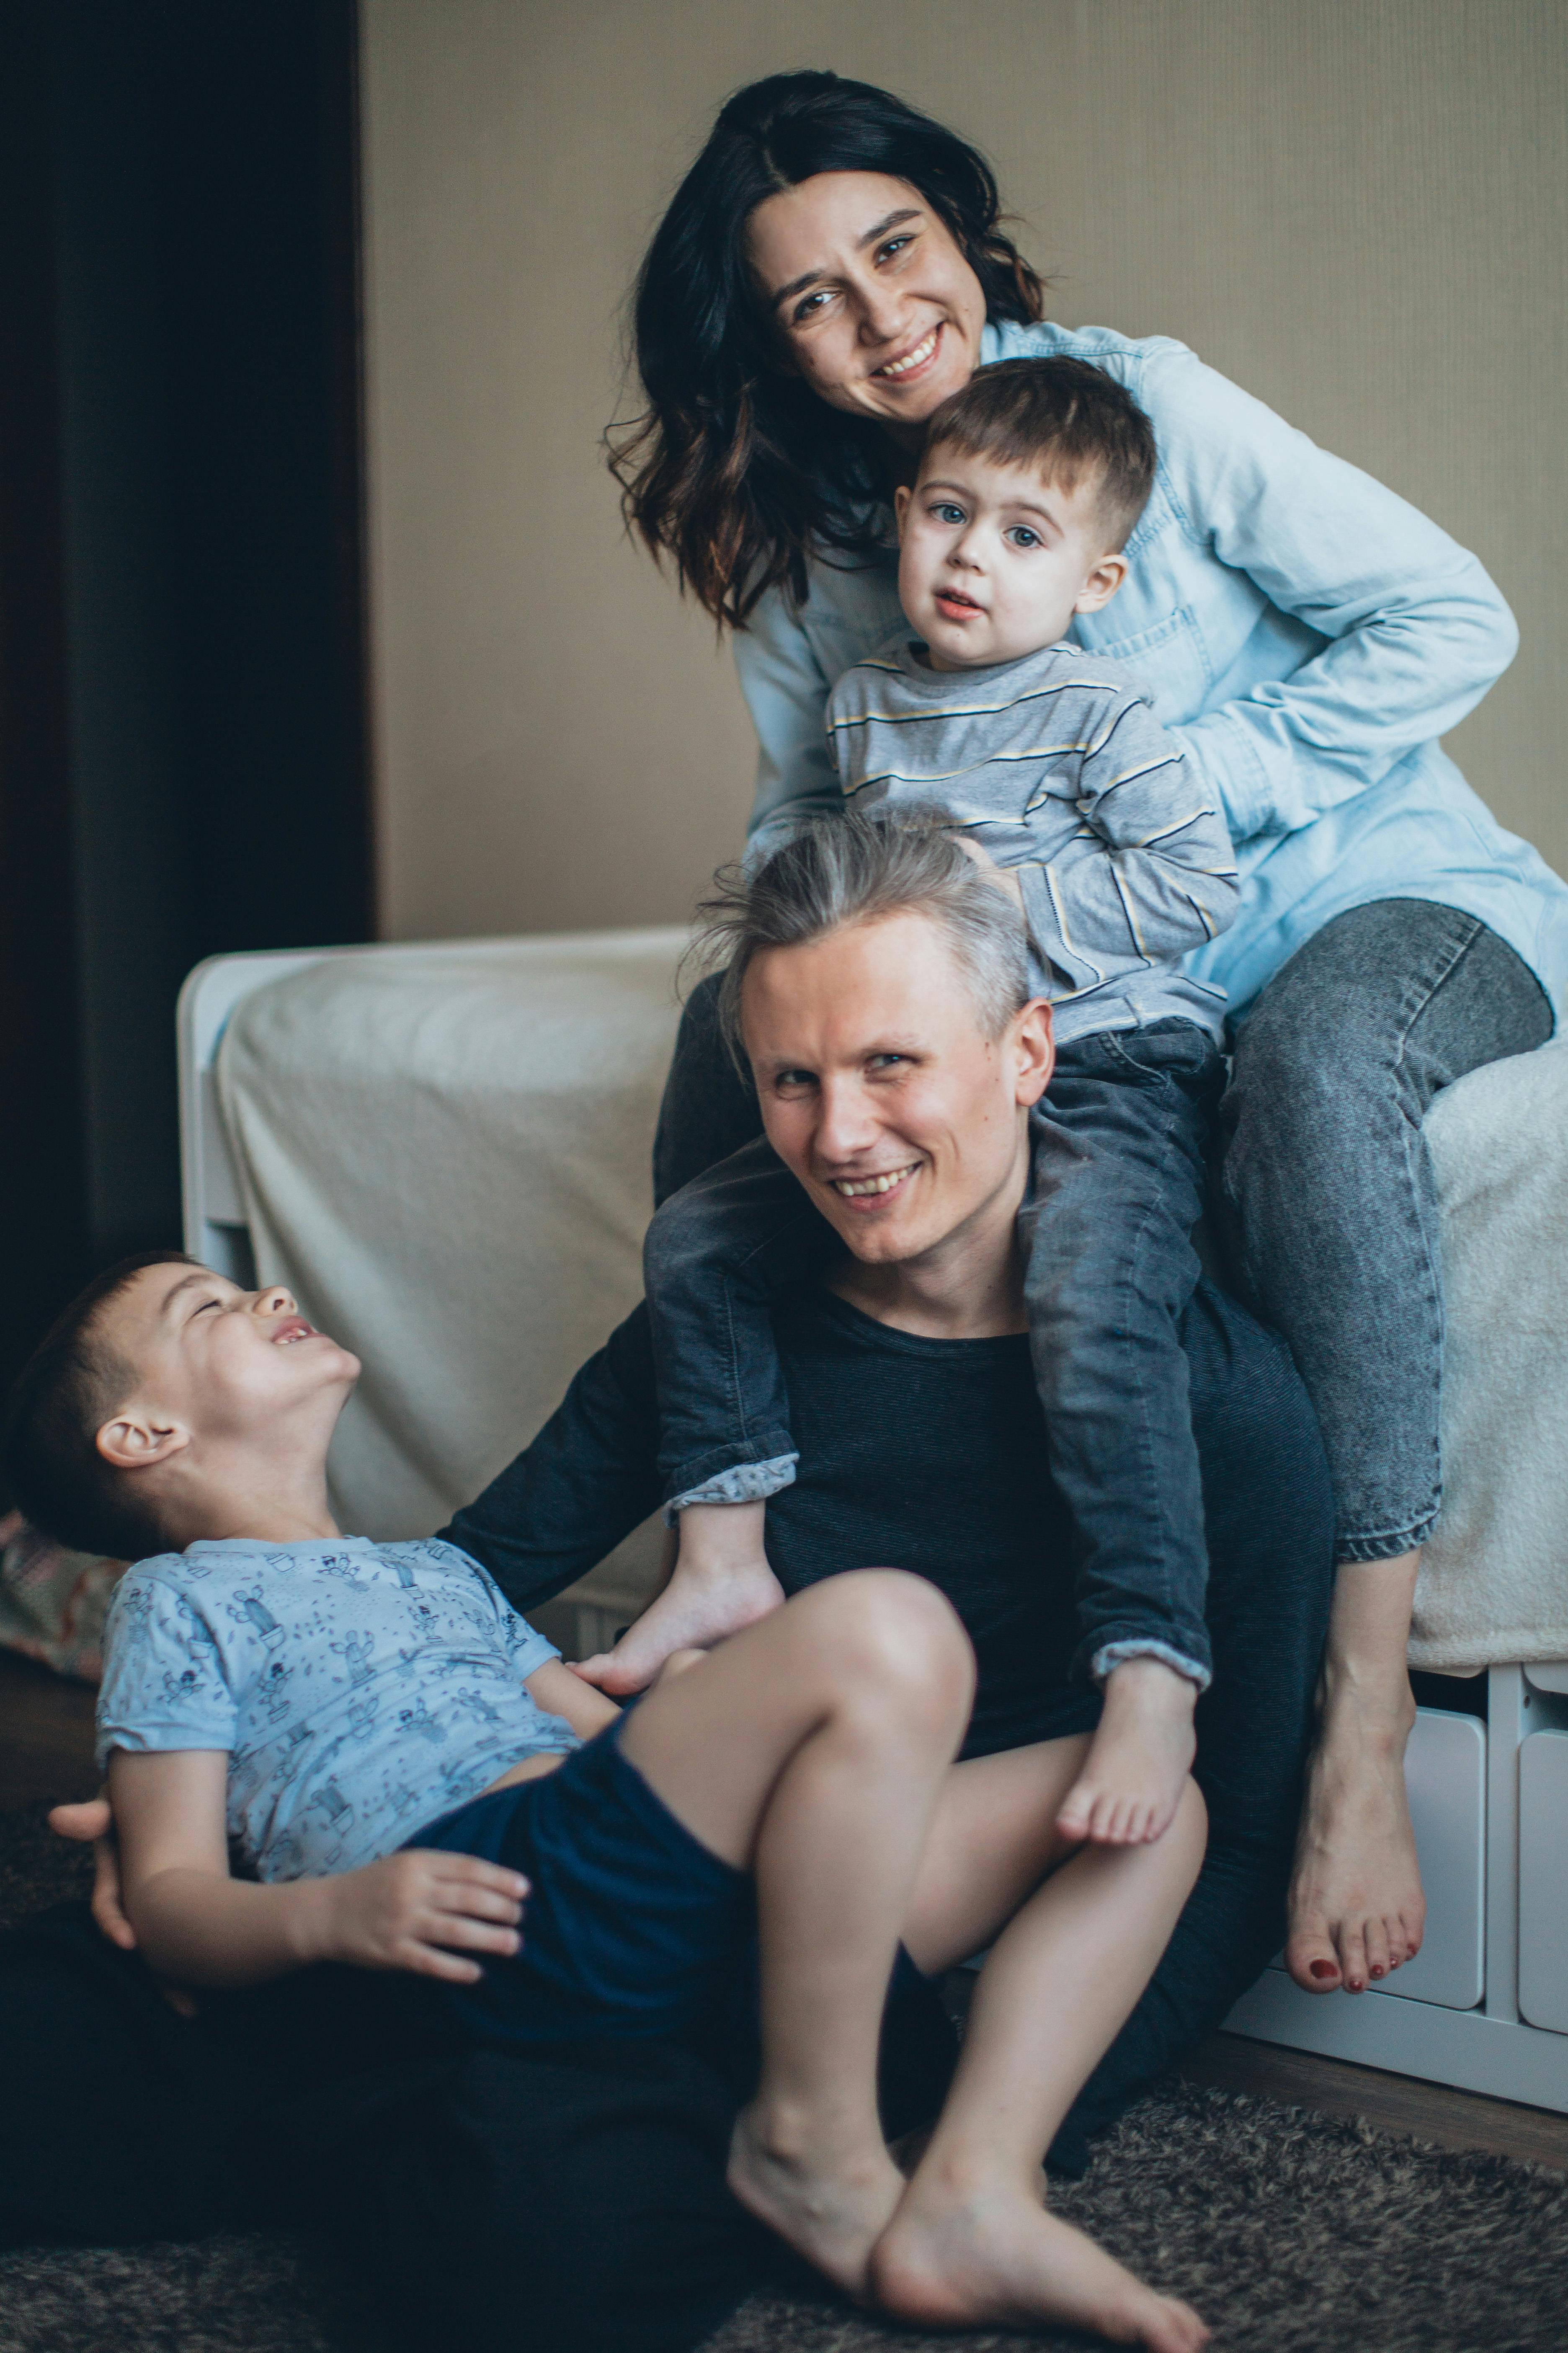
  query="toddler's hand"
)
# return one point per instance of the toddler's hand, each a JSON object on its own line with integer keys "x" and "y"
{"x": 410, "y": 1910}
{"x": 90, "y": 1823}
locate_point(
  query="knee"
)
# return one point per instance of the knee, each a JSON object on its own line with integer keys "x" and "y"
{"x": 897, "y": 1637}
{"x": 1192, "y": 1818}
{"x": 1311, "y": 1080}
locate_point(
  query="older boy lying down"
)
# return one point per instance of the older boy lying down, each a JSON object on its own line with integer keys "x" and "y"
{"x": 403, "y": 1763}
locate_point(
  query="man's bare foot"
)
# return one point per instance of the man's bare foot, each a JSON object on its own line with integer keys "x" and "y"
{"x": 830, "y": 2205}
{"x": 989, "y": 2255}
{"x": 1138, "y": 1761}
{"x": 1356, "y": 1907}
{"x": 698, "y": 1605}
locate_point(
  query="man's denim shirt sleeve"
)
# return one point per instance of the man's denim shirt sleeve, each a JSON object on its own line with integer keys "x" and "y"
{"x": 588, "y": 1479}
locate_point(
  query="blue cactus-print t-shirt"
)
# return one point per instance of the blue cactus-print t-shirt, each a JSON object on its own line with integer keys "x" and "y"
{"x": 360, "y": 1690}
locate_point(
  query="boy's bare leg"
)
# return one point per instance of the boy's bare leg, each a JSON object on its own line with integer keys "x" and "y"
{"x": 722, "y": 1582}
{"x": 812, "y": 1749}
{"x": 1139, "y": 1759}
{"x": 1357, "y": 1909}
{"x": 972, "y": 2244}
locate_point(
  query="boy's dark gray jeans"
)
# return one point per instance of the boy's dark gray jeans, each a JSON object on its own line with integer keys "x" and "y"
{"x": 1327, "y": 1194}
{"x": 1118, "y": 1170}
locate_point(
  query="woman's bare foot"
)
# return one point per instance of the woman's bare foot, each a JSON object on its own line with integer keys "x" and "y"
{"x": 1356, "y": 1907}
{"x": 1138, "y": 1761}
{"x": 698, "y": 1606}
{"x": 989, "y": 2255}
{"x": 830, "y": 2204}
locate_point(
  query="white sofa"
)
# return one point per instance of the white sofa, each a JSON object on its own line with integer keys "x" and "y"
{"x": 444, "y": 1150}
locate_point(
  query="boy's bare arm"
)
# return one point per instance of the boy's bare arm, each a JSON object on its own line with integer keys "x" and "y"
{"x": 197, "y": 1925}
{"x": 560, "y": 1693}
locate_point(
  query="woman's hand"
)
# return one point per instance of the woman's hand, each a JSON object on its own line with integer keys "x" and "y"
{"x": 410, "y": 1910}
{"x": 91, "y": 1823}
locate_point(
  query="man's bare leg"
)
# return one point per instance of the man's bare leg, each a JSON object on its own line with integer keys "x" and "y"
{"x": 1138, "y": 1760}
{"x": 722, "y": 1582}
{"x": 1356, "y": 1906}
{"x": 972, "y": 2244}
{"x": 812, "y": 1749}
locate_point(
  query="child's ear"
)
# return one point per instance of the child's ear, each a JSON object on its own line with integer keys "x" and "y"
{"x": 135, "y": 1439}
{"x": 1102, "y": 584}
{"x": 901, "y": 498}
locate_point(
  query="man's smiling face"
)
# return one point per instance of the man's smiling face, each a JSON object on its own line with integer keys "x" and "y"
{"x": 881, "y": 1090}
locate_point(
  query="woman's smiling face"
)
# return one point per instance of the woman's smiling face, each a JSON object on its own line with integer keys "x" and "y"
{"x": 869, "y": 294}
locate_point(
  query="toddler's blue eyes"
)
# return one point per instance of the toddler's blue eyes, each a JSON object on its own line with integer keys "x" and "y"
{"x": 1022, "y": 536}
{"x": 948, "y": 514}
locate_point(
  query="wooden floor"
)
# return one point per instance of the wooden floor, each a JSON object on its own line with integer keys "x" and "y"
{"x": 1401, "y": 2104}
{"x": 46, "y": 1751}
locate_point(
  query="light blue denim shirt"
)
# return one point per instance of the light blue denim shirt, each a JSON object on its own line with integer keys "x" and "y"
{"x": 1306, "y": 635}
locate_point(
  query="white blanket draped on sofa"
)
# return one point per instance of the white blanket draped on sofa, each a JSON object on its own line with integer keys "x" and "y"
{"x": 444, "y": 1152}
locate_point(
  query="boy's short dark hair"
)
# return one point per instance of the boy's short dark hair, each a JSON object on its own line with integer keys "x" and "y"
{"x": 1063, "y": 413}
{"x": 64, "y": 1394}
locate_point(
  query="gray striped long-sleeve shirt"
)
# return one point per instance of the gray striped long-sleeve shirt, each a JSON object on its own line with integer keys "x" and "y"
{"x": 1059, "y": 769}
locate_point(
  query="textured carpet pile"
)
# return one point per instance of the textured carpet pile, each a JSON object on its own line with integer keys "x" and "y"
{"x": 1290, "y": 2232}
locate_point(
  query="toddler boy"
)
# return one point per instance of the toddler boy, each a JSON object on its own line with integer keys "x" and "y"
{"x": 1050, "y": 766}
{"x": 399, "y": 1760}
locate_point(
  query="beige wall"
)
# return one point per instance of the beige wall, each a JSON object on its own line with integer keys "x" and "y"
{"x": 1359, "y": 211}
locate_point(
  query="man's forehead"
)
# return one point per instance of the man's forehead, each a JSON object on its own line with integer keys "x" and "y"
{"x": 893, "y": 984}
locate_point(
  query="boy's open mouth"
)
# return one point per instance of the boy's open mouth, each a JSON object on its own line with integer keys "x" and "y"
{"x": 956, "y": 605}
{"x": 294, "y": 1328}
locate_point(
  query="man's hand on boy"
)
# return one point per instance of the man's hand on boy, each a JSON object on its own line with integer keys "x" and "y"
{"x": 91, "y": 1823}
{"x": 421, "y": 1910}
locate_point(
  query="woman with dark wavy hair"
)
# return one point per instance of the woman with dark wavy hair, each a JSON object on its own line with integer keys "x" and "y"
{"x": 831, "y": 268}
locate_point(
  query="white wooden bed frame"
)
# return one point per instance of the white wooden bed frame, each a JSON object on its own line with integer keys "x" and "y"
{"x": 1485, "y": 2005}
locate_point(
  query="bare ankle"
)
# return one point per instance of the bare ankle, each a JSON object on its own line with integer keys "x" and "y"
{"x": 719, "y": 1540}
{"x": 788, "y": 2129}
{"x": 1367, "y": 1699}
{"x": 1150, "y": 1683}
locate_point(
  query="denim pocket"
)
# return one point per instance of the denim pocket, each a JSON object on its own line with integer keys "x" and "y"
{"x": 1167, "y": 1053}
{"x": 1168, "y": 661}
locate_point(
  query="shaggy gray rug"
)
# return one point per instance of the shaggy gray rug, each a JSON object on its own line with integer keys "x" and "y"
{"x": 1291, "y": 2233}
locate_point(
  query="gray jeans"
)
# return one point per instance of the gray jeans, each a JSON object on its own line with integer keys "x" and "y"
{"x": 1326, "y": 1186}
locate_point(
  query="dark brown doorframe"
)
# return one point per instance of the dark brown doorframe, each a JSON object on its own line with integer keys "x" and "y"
{"x": 183, "y": 733}
{"x": 42, "y": 1144}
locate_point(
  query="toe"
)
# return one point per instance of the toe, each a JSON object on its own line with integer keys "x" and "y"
{"x": 1310, "y": 1957}
{"x": 1111, "y": 1821}
{"x": 1073, "y": 1818}
{"x": 1351, "y": 1942}
{"x": 1378, "y": 1963}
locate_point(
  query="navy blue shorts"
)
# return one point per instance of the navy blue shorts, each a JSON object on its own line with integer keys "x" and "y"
{"x": 632, "y": 1928}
